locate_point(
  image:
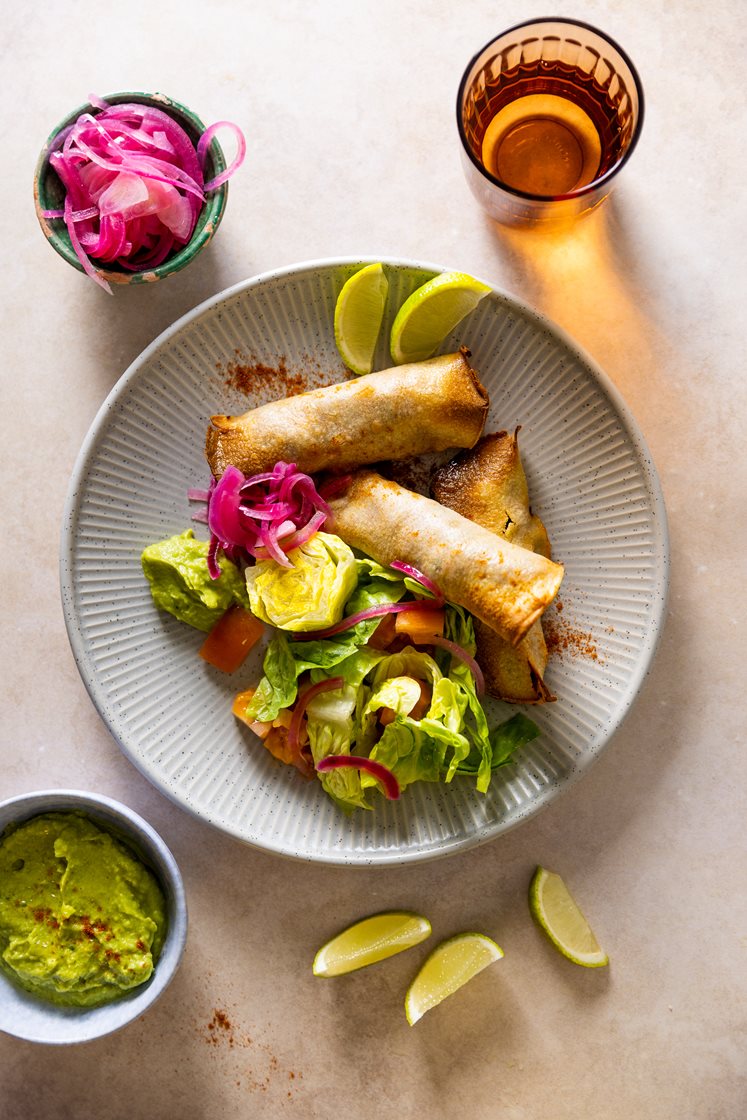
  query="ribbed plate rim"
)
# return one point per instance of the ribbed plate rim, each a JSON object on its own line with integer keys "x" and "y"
{"x": 416, "y": 853}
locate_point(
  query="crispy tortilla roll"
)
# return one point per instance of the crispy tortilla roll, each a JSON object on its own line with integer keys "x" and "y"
{"x": 394, "y": 414}
{"x": 505, "y": 586}
{"x": 488, "y": 485}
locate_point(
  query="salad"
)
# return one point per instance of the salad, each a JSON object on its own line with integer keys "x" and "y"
{"x": 369, "y": 677}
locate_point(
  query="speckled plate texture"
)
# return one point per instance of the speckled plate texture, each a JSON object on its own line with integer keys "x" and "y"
{"x": 591, "y": 479}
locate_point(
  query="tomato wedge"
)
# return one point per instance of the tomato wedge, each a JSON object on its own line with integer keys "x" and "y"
{"x": 275, "y": 735}
{"x": 232, "y": 638}
{"x": 420, "y": 624}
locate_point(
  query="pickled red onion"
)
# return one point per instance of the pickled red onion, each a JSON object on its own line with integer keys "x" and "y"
{"x": 202, "y": 147}
{"x": 370, "y": 766}
{"x": 265, "y": 516}
{"x": 459, "y": 651}
{"x": 134, "y": 184}
{"x": 416, "y": 574}
{"x": 369, "y": 612}
{"x": 294, "y": 731}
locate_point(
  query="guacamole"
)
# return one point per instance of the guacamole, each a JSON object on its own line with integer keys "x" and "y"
{"x": 181, "y": 584}
{"x": 82, "y": 920}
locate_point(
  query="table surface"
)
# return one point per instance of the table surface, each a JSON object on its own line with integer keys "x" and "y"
{"x": 348, "y": 111}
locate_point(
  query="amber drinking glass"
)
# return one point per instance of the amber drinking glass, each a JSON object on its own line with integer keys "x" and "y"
{"x": 548, "y": 114}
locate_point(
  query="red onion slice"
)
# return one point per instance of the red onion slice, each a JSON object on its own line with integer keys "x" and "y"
{"x": 301, "y": 536}
{"x": 133, "y": 164}
{"x": 97, "y": 102}
{"x": 212, "y": 557}
{"x": 79, "y": 251}
{"x": 390, "y": 785}
{"x": 415, "y": 573}
{"x": 294, "y": 731}
{"x": 202, "y": 147}
{"x": 467, "y": 658}
{"x": 269, "y": 540}
{"x": 369, "y": 612}
{"x": 250, "y": 515}
{"x": 334, "y": 486}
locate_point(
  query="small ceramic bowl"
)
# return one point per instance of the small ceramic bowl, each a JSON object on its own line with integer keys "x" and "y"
{"x": 27, "y": 1016}
{"x": 49, "y": 193}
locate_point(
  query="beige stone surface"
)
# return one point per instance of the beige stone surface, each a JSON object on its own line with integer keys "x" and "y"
{"x": 348, "y": 110}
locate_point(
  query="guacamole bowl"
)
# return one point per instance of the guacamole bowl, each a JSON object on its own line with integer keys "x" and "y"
{"x": 139, "y": 849}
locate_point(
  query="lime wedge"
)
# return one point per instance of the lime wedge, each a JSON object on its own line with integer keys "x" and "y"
{"x": 371, "y": 940}
{"x": 555, "y": 911}
{"x": 449, "y": 966}
{"x": 431, "y": 313}
{"x": 359, "y": 312}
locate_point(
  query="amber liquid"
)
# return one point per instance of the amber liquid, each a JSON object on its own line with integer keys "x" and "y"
{"x": 545, "y": 129}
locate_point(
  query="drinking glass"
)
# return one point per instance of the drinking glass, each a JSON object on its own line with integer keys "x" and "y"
{"x": 548, "y": 113}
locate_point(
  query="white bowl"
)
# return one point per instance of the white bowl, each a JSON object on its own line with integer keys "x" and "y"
{"x": 36, "y": 1020}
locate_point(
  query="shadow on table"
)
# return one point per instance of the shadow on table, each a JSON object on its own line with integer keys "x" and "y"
{"x": 122, "y": 325}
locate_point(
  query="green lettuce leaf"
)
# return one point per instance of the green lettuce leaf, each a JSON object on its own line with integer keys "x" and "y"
{"x": 312, "y": 594}
{"x": 474, "y": 725}
{"x": 505, "y": 740}
{"x": 428, "y": 749}
{"x": 331, "y": 728}
{"x": 409, "y": 662}
{"x": 416, "y": 750}
{"x": 278, "y": 687}
{"x": 376, "y": 586}
{"x": 354, "y": 669}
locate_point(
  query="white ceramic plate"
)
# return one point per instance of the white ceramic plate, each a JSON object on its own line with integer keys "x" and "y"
{"x": 591, "y": 480}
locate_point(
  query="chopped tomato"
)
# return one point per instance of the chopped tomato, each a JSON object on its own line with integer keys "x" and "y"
{"x": 384, "y": 633}
{"x": 275, "y": 735}
{"x": 278, "y": 746}
{"x": 422, "y": 705}
{"x": 240, "y": 704}
{"x": 420, "y": 624}
{"x": 235, "y": 633}
{"x": 284, "y": 717}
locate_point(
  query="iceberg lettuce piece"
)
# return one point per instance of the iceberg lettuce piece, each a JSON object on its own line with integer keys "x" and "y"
{"x": 376, "y": 586}
{"x": 330, "y": 728}
{"x": 312, "y": 594}
{"x": 505, "y": 740}
{"x": 416, "y": 750}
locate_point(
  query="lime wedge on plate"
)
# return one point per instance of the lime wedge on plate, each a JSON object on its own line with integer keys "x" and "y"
{"x": 431, "y": 313}
{"x": 555, "y": 911}
{"x": 447, "y": 969}
{"x": 371, "y": 940}
{"x": 359, "y": 312}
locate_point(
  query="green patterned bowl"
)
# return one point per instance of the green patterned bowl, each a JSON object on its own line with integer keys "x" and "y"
{"x": 49, "y": 193}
